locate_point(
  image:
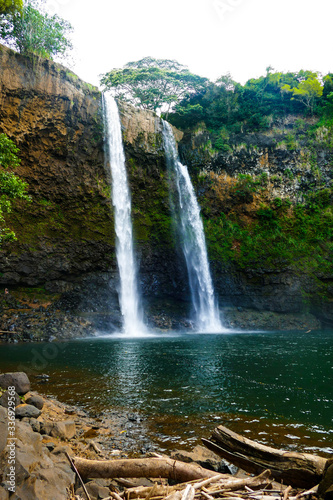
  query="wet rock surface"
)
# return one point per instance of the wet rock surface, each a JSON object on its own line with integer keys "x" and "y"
{"x": 26, "y": 410}
{"x": 249, "y": 319}
{"x": 19, "y": 380}
{"x": 32, "y": 320}
{"x": 38, "y": 320}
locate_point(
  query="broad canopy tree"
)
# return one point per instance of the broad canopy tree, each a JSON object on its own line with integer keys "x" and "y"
{"x": 155, "y": 84}
{"x": 308, "y": 89}
{"x": 32, "y": 31}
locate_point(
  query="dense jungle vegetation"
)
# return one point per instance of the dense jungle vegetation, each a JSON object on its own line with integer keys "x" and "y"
{"x": 283, "y": 215}
{"x": 227, "y": 107}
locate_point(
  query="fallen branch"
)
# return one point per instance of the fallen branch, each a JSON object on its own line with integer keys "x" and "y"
{"x": 145, "y": 491}
{"x": 297, "y": 469}
{"x": 206, "y": 482}
{"x": 93, "y": 445}
{"x": 286, "y": 493}
{"x": 206, "y": 494}
{"x": 115, "y": 495}
{"x": 78, "y": 475}
{"x": 175, "y": 495}
{"x": 221, "y": 486}
{"x": 234, "y": 484}
{"x": 188, "y": 493}
{"x": 311, "y": 491}
{"x": 143, "y": 467}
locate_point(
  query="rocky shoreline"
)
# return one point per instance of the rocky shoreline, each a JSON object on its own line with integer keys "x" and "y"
{"x": 39, "y": 437}
{"x": 46, "y": 430}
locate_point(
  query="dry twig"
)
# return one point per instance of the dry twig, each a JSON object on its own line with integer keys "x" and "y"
{"x": 78, "y": 475}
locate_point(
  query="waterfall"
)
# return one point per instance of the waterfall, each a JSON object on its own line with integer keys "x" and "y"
{"x": 192, "y": 237}
{"x": 128, "y": 292}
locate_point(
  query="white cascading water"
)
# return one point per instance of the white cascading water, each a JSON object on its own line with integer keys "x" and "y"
{"x": 121, "y": 199}
{"x": 187, "y": 214}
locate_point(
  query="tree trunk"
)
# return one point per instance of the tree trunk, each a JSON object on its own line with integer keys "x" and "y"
{"x": 297, "y": 469}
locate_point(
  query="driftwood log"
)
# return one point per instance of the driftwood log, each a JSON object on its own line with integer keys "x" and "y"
{"x": 143, "y": 467}
{"x": 169, "y": 469}
{"x": 301, "y": 470}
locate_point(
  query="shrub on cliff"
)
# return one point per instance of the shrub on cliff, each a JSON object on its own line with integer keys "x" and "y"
{"x": 31, "y": 31}
{"x": 11, "y": 186}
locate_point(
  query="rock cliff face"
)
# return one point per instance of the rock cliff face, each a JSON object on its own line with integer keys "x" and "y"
{"x": 56, "y": 121}
{"x": 293, "y": 170}
{"x": 66, "y": 240}
{"x": 65, "y": 251}
{"x": 162, "y": 272}
{"x": 256, "y": 173}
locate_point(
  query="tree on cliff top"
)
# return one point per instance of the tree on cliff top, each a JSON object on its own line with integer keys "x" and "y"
{"x": 31, "y": 31}
{"x": 308, "y": 91}
{"x": 11, "y": 186}
{"x": 155, "y": 84}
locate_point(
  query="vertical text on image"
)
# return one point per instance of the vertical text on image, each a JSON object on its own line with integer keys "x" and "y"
{"x": 11, "y": 460}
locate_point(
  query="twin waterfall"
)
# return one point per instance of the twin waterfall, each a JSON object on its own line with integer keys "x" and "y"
{"x": 121, "y": 199}
{"x": 192, "y": 238}
{"x": 189, "y": 225}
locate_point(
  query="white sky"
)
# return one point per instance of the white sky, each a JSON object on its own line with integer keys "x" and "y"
{"x": 211, "y": 37}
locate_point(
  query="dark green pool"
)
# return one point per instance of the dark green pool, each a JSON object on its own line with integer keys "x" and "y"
{"x": 276, "y": 387}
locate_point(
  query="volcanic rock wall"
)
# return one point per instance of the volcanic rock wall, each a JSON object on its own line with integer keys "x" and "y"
{"x": 66, "y": 241}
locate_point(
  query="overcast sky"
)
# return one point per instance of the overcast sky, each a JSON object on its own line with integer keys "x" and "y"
{"x": 211, "y": 37}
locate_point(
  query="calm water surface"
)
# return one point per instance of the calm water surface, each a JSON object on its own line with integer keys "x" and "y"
{"x": 276, "y": 387}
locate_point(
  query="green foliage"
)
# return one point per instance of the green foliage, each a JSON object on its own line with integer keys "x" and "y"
{"x": 32, "y": 31}
{"x": 221, "y": 140}
{"x": 276, "y": 180}
{"x": 153, "y": 83}
{"x": 11, "y": 186}
{"x": 277, "y": 202}
{"x": 319, "y": 200}
{"x": 281, "y": 205}
{"x": 253, "y": 107}
{"x": 242, "y": 108}
{"x": 308, "y": 91}
{"x": 10, "y": 6}
{"x": 246, "y": 186}
{"x": 291, "y": 142}
{"x": 288, "y": 173}
{"x": 263, "y": 179}
{"x": 8, "y": 153}
{"x": 267, "y": 216}
{"x": 303, "y": 237}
